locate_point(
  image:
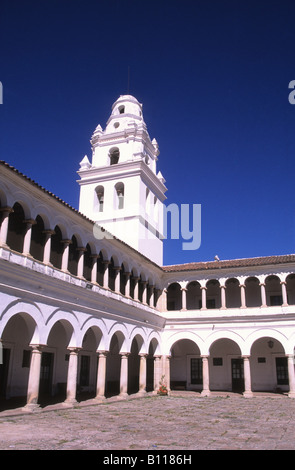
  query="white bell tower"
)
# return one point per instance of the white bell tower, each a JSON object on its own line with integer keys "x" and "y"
{"x": 121, "y": 189}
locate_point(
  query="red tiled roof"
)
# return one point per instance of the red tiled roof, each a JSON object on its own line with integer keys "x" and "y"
{"x": 2, "y": 162}
{"x": 234, "y": 263}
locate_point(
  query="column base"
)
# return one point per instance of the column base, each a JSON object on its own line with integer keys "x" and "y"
{"x": 99, "y": 398}
{"x": 205, "y": 393}
{"x": 31, "y": 407}
{"x": 4, "y": 245}
{"x": 248, "y": 394}
{"x": 122, "y": 395}
{"x": 70, "y": 402}
{"x": 291, "y": 394}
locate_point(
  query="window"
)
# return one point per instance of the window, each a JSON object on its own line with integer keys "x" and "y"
{"x": 114, "y": 156}
{"x": 119, "y": 193}
{"x": 217, "y": 361}
{"x": 196, "y": 370}
{"x": 282, "y": 371}
{"x": 100, "y": 197}
{"x": 121, "y": 109}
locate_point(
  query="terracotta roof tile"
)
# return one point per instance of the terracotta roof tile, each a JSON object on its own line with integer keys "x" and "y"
{"x": 234, "y": 263}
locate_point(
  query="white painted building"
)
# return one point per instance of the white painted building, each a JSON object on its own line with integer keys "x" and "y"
{"x": 83, "y": 315}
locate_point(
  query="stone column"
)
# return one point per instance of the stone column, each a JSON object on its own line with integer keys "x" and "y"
{"x": 157, "y": 294}
{"x": 124, "y": 375}
{"x": 142, "y": 374}
{"x": 243, "y": 296}
{"x": 205, "y": 368}
{"x": 167, "y": 372}
{"x": 144, "y": 292}
{"x": 27, "y": 238}
{"x": 151, "y": 300}
{"x": 223, "y": 299}
{"x": 72, "y": 376}
{"x": 204, "y": 303}
{"x": 157, "y": 372}
{"x": 94, "y": 269}
{"x": 127, "y": 285}
{"x": 117, "y": 270}
{"x": 183, "y": 298}
{"x": 106, "y": 274}
{"x": 101, "y": 375}
{"x": 47, "y": 246}
{"x": 164, "y": 300}
{"x": 291, "y": 376}
{"x": 136, "y": 279}
{"x": 284, "y": 293}
{"x": 263, "y": 295}
{"x": 80, "y": 266}
{"x": 65, "y": 255}
{"x": 34, "y": 377}
{"x": 4, "y": 225}
{"x": 247, "y": 378}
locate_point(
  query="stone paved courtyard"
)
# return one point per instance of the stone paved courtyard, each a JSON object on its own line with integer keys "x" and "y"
{"x": 182, "y": 421}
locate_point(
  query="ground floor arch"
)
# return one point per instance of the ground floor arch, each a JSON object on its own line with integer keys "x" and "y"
{"x": 186, "y": 366}
{"x": 226, "y": 366}
{"x": 269, "y": 365}
{"x": 14, "y": 370}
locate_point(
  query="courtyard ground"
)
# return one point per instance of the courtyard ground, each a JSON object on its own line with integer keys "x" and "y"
{"x": 181, "y": 421}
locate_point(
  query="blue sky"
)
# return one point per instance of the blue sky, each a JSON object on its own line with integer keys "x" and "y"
{"x": 213, "y": 79}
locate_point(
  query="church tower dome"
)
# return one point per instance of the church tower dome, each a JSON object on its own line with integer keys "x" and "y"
{"x": 120, "y": 189}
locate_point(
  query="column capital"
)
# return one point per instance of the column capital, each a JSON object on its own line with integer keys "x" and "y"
{"x": 29, "y": 221}
{"x": 124, "y": 354}
{"x": 82, "y": 249}
{"x": 102, "y": 353}
{"x": 6, "y": 209}
{"x": 74, "y": 349}
{"x": 37, "y": 347}
{"x": 48, "y": 232}
{"x": 66, "y": 241}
